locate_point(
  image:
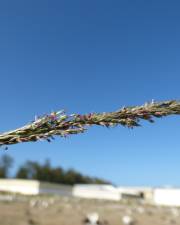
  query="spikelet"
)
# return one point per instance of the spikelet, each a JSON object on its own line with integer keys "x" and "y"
{"x": 60, "y": 124}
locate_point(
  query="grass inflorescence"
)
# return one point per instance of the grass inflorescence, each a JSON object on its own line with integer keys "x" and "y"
{"x": 61, "y": 124}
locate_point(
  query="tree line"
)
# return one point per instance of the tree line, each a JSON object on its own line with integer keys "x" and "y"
{"x": 46, "y": 172}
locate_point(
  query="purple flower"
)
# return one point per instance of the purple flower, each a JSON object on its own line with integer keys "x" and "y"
{"x": 53, "y": 117}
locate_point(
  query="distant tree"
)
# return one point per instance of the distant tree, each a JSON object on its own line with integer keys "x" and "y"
{"x": 45, "y": 172}
{"x": 6, "y": 163}
{"x": 29, "y": 170}
{"x": 22, "y": 173}
{"x": 72, "y": 177}
{"x": 58, "y": 175}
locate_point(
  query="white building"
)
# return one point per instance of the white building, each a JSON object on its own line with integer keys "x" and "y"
{"x": 130, "y": 191}
{"x": 156, "y": 196}
{"x": 144, "y": 193}
{"x": 33, "y": 187}
{"x": 93, "y": 191}
{"x": 166, "y": 196}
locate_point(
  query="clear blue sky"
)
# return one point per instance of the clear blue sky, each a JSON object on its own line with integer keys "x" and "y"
{"x": 88, "y": 56}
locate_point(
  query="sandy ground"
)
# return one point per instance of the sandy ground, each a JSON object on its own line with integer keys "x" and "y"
{"x": 54, "y": 210}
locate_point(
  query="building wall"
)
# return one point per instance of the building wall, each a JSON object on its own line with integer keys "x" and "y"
{"x": 149, "y": 195}
{"x": 27, "y": 187}
{"x": 59, "y": 189}
{"x": 167, "y": 196}
{"x": 106, "y": 192}
{"x": 144, "y": 193}
{"x": 158, "y": 196}
{"x": 34, "y": 187}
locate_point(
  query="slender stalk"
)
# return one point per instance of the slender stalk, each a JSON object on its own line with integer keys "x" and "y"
{"x": 60, "y": 124}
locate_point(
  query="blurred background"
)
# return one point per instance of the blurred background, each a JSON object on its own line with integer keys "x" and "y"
{"x": 92, "y": 56}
